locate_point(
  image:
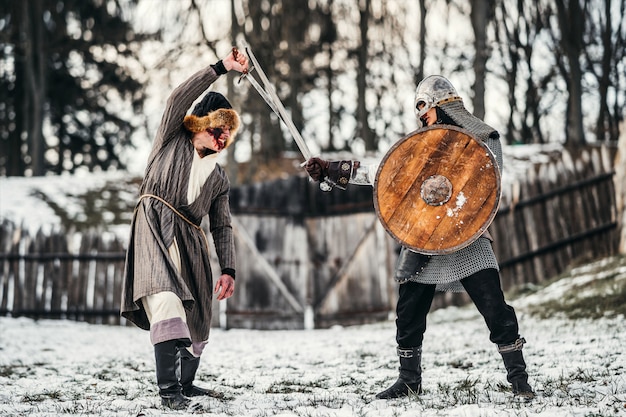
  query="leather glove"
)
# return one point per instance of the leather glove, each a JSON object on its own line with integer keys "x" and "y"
{"x": 317, "y": 168}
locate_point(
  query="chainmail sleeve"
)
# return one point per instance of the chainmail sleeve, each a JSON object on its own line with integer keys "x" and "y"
{"x": 365, "y": 174}
{"x": 493, "y": 143}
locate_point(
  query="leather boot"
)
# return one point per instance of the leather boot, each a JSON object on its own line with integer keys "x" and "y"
{"x": 516, "y": 369}
{"x": 167, "y": 358}
{"x": 410, "y": 378}
{"x": 189, "y": 366}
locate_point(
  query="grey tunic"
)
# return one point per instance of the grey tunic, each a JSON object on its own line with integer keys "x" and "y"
{"x": 149, "y": 267}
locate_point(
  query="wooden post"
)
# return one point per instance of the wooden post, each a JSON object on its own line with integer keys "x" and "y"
{"x": 620, "y": 187}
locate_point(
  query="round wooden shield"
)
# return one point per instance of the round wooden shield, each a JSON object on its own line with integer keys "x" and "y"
{"x": 437, "y": 189}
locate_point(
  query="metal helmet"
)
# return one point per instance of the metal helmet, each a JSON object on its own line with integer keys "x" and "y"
{"x": 433, "y": 91}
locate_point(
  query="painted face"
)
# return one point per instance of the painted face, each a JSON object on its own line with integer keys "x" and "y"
{"x": 220, "y": 136}
{"x": 211, "y": 141}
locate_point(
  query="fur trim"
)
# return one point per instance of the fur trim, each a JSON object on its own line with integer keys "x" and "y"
{"x": 216, "y": 118}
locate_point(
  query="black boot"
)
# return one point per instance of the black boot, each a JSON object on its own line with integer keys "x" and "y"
{"x": 167, "y": 358}
{"x": 410, "y": 379}
{"x": 189, "y": 366}
{"x": 516, "y": 369}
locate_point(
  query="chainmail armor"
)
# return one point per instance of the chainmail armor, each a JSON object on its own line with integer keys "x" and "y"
{"x": 364, "y": 175}
{"x": 446, "y": 271}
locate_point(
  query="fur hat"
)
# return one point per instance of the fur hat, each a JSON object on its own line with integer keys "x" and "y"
{"x": 213, "y": 111}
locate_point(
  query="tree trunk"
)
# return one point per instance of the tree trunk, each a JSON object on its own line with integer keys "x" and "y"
{"x": 419, "y": 73}
{"x": 35, "y": 86}
{"x": 232, "y": 168}
{"x": 507, "y": 37}
{"x": 620, "y": 187}
{"x": 606, "y": 128}
{"x": 15, "y": 162}
{"x": 364, "y": 130}
{"x": 333, "y": 117}
{"x": 294, "y": 60}
{"x": 572, "y": 22}
{"x": 480, "y": 16}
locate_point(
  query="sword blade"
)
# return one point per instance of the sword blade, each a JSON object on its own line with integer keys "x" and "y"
{"x": 263, "y": 94}
{"x": 268, "y": 93}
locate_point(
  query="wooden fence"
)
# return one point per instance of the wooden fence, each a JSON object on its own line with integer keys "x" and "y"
{"x": 564, "y": 214}
{"x": 311, "y": 259}
{"x": 55, "y": 275}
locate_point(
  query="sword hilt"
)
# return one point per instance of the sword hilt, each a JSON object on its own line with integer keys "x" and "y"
{"x": 327, "y": 185}
{"x": 235, "y": 52}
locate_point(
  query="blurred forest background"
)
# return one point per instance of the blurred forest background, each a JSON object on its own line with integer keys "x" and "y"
{"x": 83, "y": 82}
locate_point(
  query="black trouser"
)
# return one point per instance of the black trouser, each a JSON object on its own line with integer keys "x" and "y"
{"x": 484, "y": 289}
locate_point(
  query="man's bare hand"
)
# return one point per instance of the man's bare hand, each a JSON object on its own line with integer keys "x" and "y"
{"x": 225, "y": 287}
{"x": 236, "y": 61}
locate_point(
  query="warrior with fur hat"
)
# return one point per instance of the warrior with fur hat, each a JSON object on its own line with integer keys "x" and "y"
{"x": 168, "y": 284}
{"x": 473, "y": 268}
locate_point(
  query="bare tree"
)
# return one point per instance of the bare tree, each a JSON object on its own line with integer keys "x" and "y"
{"x": 363, "y": 129}
{"x": 354, "y": 53}
{"x": 609, "y": 40}
{"x": 481, "y": 16}
{"x": 232, "y": 167}
{"x": 34, "y": 67}
{"x": 517, "y": 29}
{"x": 419, "y": 69}
{"x": 287, "y": 48}
{"x": 587, "y": 44}
{"x": 59, "y": 71}
{"x": 571, "y": 26}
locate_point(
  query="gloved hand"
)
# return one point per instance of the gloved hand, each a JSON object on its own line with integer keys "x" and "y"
{"x": 317, "y": 168}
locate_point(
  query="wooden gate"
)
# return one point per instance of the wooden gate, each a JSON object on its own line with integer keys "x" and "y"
{"x": 303, "y": 274}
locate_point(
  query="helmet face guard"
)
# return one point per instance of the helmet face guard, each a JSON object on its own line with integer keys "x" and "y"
{"x": 423, "y": 103}
{"x": 433, "y": 91}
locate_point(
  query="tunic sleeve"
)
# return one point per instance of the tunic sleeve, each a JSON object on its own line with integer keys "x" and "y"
{"x": 222, "y": 232}
{"x": 220, "y": 225}
{"x": 179, "y": 103}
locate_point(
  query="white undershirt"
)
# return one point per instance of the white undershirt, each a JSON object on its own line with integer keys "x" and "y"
{"x": 201, "y": 168}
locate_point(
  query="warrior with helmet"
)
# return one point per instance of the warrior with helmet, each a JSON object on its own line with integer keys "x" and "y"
{"x": 473, "y": 268}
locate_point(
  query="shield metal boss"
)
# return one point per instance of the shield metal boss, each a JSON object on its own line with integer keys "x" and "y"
{"x": 437, "y": 189}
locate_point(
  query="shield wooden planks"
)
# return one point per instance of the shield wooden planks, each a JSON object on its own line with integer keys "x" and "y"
{"x": 437, "y": 190}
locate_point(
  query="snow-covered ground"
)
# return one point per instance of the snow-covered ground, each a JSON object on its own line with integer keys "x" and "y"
{"x": 577, "y": 367}
{"x": 64, "y": 368}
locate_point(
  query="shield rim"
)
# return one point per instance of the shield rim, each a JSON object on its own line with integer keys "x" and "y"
{"x": 485, "y": 225}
